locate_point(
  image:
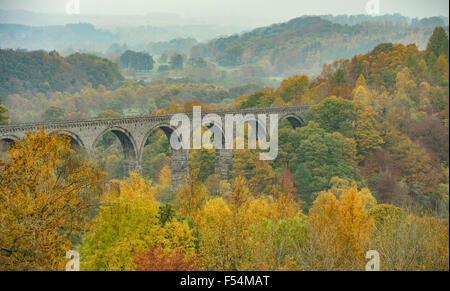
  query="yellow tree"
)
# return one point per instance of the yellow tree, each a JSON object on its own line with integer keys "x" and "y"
{"x": 361, "y": 81}
{"x": 216, "y": 186}
{"x": 355, "y": 225}
{"x": 367, "y": 137}
{"x": 213, "y": 223}
{"x": 293, "y": 88}
{"x": 223, "y": 227}
{"x": 245, "y": 212}
{"x": 410, "y": 243}
{"x": 263, "y": 179}
{"x": 191, "y": 196}
{"x": 128, "y": 224}
{"x": 339, "y": 186}
{"x": 425, "y": 94}
{"x": 240, "y": 196}
{"x": 275, "y": 229}
{"x": 203, "y": 161}
{"x": 45, "y": 192}
{"x": 244, "y": 163}
{"x": 442, "y": 64}
{"x": 361, "y": 93}
{"x": 338, "y": 232}
{"x": 162, "y": 188}
{"x": 226, "y": 227}
{"x": 285, "y": 205}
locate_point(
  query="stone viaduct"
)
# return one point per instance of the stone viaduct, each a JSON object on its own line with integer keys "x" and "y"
{"x": 133, "y": 133}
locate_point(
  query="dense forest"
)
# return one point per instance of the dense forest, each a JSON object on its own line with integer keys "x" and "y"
{"x": 305, "y": 44}
{"x": 300, "y": 45}
{"x": 383, "y": 117}
{"x": 42, "y": 72}
{"x": 182, "y": 45}
{"x": 29, "y": 90}
{"x": 83, "y": 85}
{"x": 369, "y": 170}
{"x": 129, "y": 99}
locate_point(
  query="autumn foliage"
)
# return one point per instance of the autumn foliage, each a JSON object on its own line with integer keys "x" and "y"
{"x": 367, "y": 170}
{"x": 158, "y": 259}
{"x": 45, "y": 193}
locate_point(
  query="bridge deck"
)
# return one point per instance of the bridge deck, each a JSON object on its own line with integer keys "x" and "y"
{"x": 133, "y": 133}
{"x": 142, "y": 118}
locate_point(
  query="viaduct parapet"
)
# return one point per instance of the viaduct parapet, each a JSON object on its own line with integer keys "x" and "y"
{"x": 133, "y": 133}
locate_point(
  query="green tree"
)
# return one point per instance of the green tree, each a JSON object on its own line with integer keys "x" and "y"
{"x": 139, "y": 61}
{"x": 384, "y": 214}
{"x": 232, "y": 56}
{"x": 203, "y": 161}
{"x": 176, "y": 62}
{"x": 191, "y": 196}
{"x": 294, "y": 87}
{"x": 304, "y": 182}
{"x": 438, "y": 43}
{"x": 367, "y": 137}
{"x": 3, "y": 117}
{"x": 128, "y": 223}
{"x": 244, "y": 163}
{"x": 319, "y": 157}
{"x": 334, "y": 115}
{"x": 263, "y": 179}
{"x": 53, "y": 113}
{"x": 108, "y": 114}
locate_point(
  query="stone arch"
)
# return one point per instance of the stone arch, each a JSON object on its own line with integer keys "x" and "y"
{"x": 251, "y": 122}
{"x": 216, "y": 128}
{"x": 165, "y": 127}
{"x": 129, "y": 148}
{"x": 75, "y": 140}
{"x": 9, "y": 140}
{"x": 126, "y": 140}
{"x": 294, "y": 120}
{"x": 179, "y": 159}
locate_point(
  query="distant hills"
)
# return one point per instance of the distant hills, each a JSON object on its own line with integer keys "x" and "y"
{"x": 305, "y": 44}
{"x": 132, "y": 29}
{"x": 300, "y": 45}
{"x": 158, "y": 19}
{"x": 42, "y": 72}
{"x": 81, "y": 36}
{"x": 392, "y": 18}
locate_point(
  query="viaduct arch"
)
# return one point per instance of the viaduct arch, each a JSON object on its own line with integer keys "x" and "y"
{"x": 133, "y": 133}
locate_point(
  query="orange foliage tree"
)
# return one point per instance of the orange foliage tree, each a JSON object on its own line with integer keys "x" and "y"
{"x": 160, "y": 259}
{"x": 45, "y": 191}
{"x": 339, "y": 231}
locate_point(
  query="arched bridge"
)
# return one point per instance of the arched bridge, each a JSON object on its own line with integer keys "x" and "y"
{"x": 133, "y": 133}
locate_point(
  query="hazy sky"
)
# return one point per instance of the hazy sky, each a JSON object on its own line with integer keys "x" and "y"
{"x": 279, "y": 9}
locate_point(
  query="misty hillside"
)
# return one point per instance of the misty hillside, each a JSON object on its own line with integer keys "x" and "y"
{"x": 42, "y": 72}
{"x": 80, "y": 36}
{"x": 305, "y": 44}
{"x": 85, "y": 37}
{"x": 133, "y": 30}
{"x": 392, "y": 18}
